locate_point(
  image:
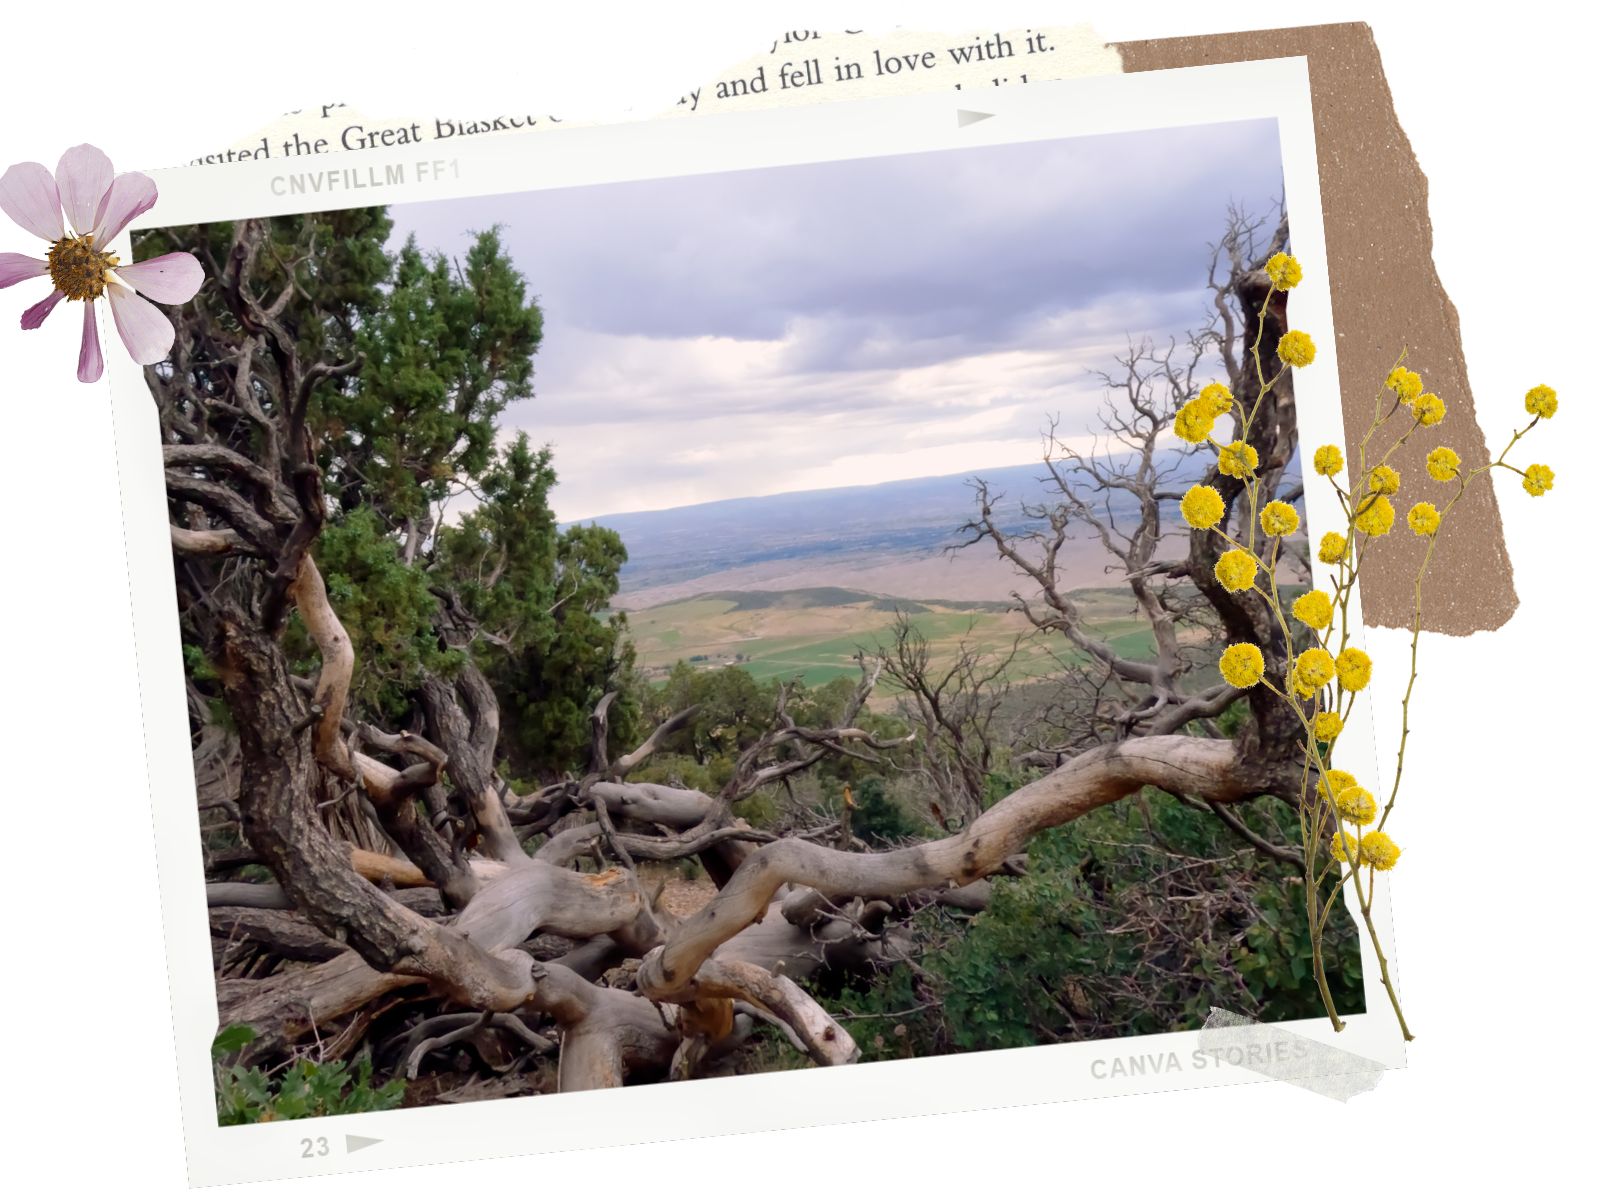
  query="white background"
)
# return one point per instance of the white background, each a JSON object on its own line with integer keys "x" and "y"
{"x": 1493, "y": 897}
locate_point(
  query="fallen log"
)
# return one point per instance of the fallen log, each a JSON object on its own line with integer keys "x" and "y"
{"x": 285, "y": 934}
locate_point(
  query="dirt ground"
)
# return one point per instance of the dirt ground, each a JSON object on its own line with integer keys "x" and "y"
{"x": 681, "y": 897}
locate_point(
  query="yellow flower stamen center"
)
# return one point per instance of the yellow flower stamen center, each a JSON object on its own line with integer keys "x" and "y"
{"x": 78, "y": 269}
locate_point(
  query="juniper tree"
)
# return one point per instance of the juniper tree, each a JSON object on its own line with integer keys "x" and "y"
{"x": 326, "y": 397}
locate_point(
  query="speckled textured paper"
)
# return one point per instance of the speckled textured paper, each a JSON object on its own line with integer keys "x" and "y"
{"x": 1386, "y": 297}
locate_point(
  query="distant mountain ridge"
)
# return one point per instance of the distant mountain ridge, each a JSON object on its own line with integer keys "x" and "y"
{"x": 895, "y": 539}
{"x": 839, "y": 597}
{"x": 905, "y": 516}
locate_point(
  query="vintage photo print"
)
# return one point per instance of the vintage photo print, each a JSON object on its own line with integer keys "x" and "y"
{"x": 742, "y": 620}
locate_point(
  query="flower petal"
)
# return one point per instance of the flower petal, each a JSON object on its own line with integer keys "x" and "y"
{"x": 170, "y": 279}
{"x": 28, "y": 196}
{"x": 14, "y": 268}
{"x": 90, "y": 361}
{"x": 131, "y": 194}
{"x": 145, "y": 330}
{"x": 35, "y": 316}
{"x": 83, "y": 177}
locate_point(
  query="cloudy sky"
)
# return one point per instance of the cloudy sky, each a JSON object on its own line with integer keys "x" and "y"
{"x": 853, "y": 322}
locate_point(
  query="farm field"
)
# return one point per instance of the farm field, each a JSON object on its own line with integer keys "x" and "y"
{"x": 813, "y": 634}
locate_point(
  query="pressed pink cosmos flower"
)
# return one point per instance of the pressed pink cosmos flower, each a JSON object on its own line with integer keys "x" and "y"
{"x": 98, "y": 204}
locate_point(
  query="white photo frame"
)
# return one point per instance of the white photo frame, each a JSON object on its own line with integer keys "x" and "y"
{"x": 1276, "y": 89}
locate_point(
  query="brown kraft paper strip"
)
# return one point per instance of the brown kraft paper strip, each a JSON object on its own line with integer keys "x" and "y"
{"x": 1386, "y": 297}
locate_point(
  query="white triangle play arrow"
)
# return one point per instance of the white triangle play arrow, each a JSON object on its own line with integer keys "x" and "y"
{"x": 352, "y": 1143}
{"x": 965, "y": 117}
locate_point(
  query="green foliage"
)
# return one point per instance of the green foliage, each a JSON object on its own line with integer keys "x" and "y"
{"x": 760, "y": 809}
{"x": 1233, "y": 718}
{"x": 502, "y": 557}
{"x": 768, "y": 1050}
{"x": 247, "y": 1095}
{"x": 434, "y": 349}
{"x": 231, "y": 1040}
{"x": 735, "y": 709}
{"x": 1275, "y": 959}
{"x": 1004, "y": 981}
{"x": 441, "y": 357}
{"x": 681, "y": 770}
{"x": 1001, "y": 782}
{"x": 387, "y": 610}
{"x": 544, "y": 593}
{"x": 584, "y": 653}
{"x": 196, "y": 665}
{"x": 892, "y": 1017}
{"x": 1134, "y": 919}
{"x": 337, "y": 262}
{"x": 878, "y": 820}
{"x": 201, "y": 670}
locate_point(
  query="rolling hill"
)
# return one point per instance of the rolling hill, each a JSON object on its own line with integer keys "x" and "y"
{"x": 812, "y": 634}
{"x": 792, "y": 585}
{"x": 900, "y": 538}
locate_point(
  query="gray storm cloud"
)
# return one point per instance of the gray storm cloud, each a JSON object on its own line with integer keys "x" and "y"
{"x": 750, "y": 332}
